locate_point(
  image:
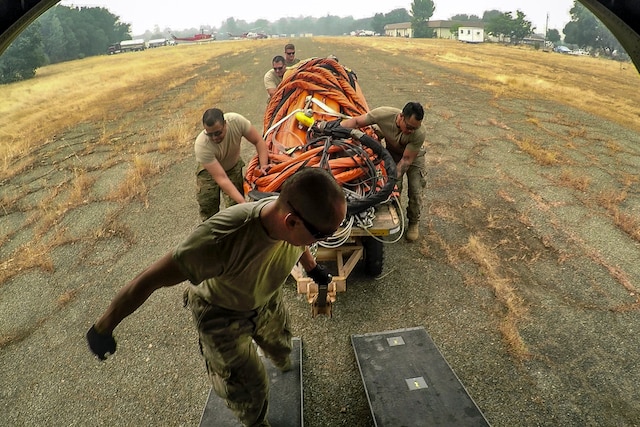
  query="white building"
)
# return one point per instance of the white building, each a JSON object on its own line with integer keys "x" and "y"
{"x": 471, "y": 34}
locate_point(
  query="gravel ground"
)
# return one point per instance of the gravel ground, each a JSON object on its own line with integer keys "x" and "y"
{"x": 540, "y": 329}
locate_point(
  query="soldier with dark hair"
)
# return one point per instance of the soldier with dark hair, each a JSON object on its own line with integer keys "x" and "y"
{"x": 404, "y": 136}
{"x": 217, "y": 150}
{"x": 237, "y": 262}
{"x": 273, "y": 77}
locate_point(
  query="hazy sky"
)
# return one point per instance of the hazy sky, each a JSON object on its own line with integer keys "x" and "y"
{"x": 178, "y": 15}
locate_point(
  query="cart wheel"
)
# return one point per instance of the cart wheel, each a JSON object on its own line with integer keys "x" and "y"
{"x": 373, "y": 256}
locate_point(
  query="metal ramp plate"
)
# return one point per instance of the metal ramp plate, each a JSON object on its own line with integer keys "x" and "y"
{"x": 285, "y": 403}
{"x": 409, "y": 383}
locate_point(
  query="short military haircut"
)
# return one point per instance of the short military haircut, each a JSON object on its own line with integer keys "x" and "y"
{"x": 413, "y": 109}
{"x": 212, "y": 116}
{"x": 277, "y": 58}
{"x": 314, "y": 192}
{"x": 289, "y": 46}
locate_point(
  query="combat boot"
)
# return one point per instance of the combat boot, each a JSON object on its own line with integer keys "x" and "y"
{"x": 413, "y": 232}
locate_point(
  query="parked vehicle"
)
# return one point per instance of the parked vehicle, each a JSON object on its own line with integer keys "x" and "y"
{"x": 132, "y": 45}
{"x": 157, "y": 43}
{"x": 579, "y": 52}
{"x": 113, "y": 49}
{"x": 562, "y": 49}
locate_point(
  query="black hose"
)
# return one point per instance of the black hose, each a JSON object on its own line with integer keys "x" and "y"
{"x": 356, "y": 206}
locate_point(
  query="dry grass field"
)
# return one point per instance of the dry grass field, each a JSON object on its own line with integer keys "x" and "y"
{"x": 526, "y": 274}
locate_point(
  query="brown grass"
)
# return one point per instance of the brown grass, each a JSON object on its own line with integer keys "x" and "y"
{"x": 135, "y": 185}
{"x": 630, "y": 224}
{"x": 601, "y": 87}
{"x": 580, "y": 183}
{"x": 610, "y": 199}
{"x": 541, "y": 155}
{"x": 26, "y": 257}
{"x": 33, "y": 112}
{"x": 512, "y": 310}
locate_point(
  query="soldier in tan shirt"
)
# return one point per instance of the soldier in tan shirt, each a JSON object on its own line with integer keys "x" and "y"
{"x": 217, "y": 150}
{"x": 273, "y": 77}
{"x": 404, "y": 136}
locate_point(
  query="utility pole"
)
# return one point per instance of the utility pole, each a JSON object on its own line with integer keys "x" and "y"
{"x": 546, "y": 31}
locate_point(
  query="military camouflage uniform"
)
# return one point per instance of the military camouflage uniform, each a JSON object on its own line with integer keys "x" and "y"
{"x": 416, "y": 183}
{"x": 227, "y": 152}
{"x": 396, "y": 142}
{"x": 208, "y": 194}
{"x": 237, "y": 271}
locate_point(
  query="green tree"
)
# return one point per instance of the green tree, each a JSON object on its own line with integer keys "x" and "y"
{"x": 329, "y": 25}
{"x": 378, "y": 22}
{"x": 421, "y": 12}
{"x": 23, "y": 57}
{"x": 586, "y": 31}
{"x": 521, "y": 28}
{"x": 489, "y": 15}
{"x": 503, "y": 25}
{"x": 396, "y": 16}
{"x": 56, "y": 43}
{"x": 464, "y": 18}
{"x": 499, "y": 25}
{"x": 553, "y": 36}
{"x": 71, "y": 33}
{"x": 261, "y": 25}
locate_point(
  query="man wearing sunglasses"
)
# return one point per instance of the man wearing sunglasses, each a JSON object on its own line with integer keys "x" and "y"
{"x": 404, "y": 136}
{"x": 236, "y": 263}
{"x": 273, "y": 77}
{"x": 290, "y": 55}
{"x": 217, "y": 150}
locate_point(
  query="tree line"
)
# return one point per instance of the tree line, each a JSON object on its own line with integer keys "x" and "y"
{"x": 61, "y": 34}
{"x": 66, "y": 33}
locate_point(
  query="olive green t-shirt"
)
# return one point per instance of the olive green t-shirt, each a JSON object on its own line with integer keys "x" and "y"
{"x": 227, "y": 152}
{"x": 395, "y": 140}
{"x": 233, "y": 262}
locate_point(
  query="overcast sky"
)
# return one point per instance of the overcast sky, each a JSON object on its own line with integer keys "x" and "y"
{"x": 178, "y": 15}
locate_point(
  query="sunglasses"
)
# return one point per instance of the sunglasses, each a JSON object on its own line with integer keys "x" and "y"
{"x": 408, "y": 126}
{"x": 216, "y": 133}
{"x": 291, "y": 53}
{"x": 317, "y": 234}
{"x": 278, "y": 68}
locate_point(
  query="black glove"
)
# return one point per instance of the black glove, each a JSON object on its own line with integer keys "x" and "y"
{"x": 332, "y": 124}
{"x": 326, "y": 127}
{"x": 341, "y": 133}
{"x": 320, "y": 275}
{"x": 100, "y": 344}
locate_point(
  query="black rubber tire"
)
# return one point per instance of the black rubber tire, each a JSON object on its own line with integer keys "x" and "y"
{"x": 373, "y": 256}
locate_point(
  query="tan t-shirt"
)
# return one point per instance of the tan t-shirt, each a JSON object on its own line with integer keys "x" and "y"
{"x": 271, "y": 79}
{"x": 233, "y": 262}
{"x": 227, "y": 152}
{"x": 290, "y": 63}
{"x": 395, "y": 140}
